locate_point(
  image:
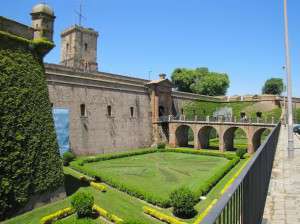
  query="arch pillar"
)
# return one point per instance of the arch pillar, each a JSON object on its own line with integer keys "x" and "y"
{"x": 172, "y": 134}
{"x": 250, "y": 134}
{"x": 221, "y": 140}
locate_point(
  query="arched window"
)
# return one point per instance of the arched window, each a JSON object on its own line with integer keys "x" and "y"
{"x": 182, "y": 111}
{"x": 67, "y": 47}
{"x": 109, "y": 110}
{"x": 82, "y": 110}
{"x": 85, "y": 46}
{"x": 131, "y": 111}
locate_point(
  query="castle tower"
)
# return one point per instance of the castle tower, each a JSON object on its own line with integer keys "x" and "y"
{"x": 43, "y": 21}
{"x": 79, "y": 48}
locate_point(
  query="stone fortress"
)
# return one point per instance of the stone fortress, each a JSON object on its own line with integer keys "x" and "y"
{"x": 108, "y": 112}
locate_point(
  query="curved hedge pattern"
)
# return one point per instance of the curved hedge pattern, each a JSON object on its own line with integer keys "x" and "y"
{"x": 30, "y": 162}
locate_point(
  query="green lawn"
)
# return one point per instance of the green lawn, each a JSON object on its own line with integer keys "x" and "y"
{"x": 157, "y": 174}
{"x": 113, "y": 201}
{"x": 155, "y": 171}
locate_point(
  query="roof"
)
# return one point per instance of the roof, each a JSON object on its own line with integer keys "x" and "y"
{"x": 43, "y": 8}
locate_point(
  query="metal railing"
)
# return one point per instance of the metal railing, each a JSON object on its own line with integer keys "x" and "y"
{"x": 257, "y": 120}
{"x": 244, "y": 201}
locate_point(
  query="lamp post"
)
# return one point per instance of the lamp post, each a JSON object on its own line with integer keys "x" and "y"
{"x": 289, "y": 84}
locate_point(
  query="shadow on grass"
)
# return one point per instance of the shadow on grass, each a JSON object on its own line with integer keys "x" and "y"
{"x": 72, "y": 184}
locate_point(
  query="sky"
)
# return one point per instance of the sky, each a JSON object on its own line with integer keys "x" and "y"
{"x": 142, "y": 38}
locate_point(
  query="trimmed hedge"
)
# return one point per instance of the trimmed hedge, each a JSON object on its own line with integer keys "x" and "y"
{"x": 161, "y": 216}
{"x": 98, "y": 186}
{"x": 202, "y": 190}
{"x": 111, "y": 217}
{"x": 30, "y": 162}
{"x": 57, "y": 215}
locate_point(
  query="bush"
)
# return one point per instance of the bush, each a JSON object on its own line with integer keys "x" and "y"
{"x": 111, "y": 217}
{"x": 83, "y": 203}
{"x": 183, "y": 201}
{"x": 241, "y": 152}
{"x": 57, "y": 215}
{"x": 68, "y": 157}
{"x": 30, "y": 161}
{"x": 160, "y": 216}
{"x": 161, "y": 145}
{"x": 98, "y": 186}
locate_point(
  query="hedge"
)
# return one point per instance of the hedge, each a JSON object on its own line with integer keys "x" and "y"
{"x": 111, "y": 217}
{"x": 98, "y": 186}
{"x": 161, "y": 216}
{"x": 203, "y": 189}
{"x": 57, "y": 215}
{"x": 30, "y": 162}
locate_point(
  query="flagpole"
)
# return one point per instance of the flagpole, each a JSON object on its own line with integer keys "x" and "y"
{"x": 289, "y": 85}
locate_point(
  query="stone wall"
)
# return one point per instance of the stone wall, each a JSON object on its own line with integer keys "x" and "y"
{"x": 18, "y": 29}
{"x": 97, "y": 131}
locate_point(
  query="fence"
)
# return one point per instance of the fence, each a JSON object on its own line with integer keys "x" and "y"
{"x": 244, "y": 201}
{"x": 219, "y": 119}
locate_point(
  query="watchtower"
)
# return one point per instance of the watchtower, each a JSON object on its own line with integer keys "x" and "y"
{"x": 79, "y": 48}
{"x": 43, "y": 21}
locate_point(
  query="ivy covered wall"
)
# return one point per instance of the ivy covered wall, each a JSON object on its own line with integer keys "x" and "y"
{"x": 29, "y": 158}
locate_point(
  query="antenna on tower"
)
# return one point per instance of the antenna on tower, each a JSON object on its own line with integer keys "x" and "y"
{"x": 80, "y": 15}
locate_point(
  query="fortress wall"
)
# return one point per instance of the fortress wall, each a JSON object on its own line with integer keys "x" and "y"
{"x": 18, "y": 29}
{"x": 98, "y": 132}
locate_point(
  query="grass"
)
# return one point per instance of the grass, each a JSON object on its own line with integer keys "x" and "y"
{"x": 157, "y": 174}
{"x": 114, "y": 201}
{"x": 188, "y": 171}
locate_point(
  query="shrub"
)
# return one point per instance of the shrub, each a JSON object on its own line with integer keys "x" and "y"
{"x": 241, "y": 152}
{"x": 111, "y": 217}
{"x": 183, "y": 201}
{"x": 161, "y": 145}
{"x": 161, "y": 216}
{"x": 83, "y": 202}
{"x": 57, "y": 215}
{"x": 98, "y": 186}
{"x": 68, "y": 157}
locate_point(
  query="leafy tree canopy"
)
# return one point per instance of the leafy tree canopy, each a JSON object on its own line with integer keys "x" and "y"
{"x": 200, "y": 81}
{"x": 273, "y": 86}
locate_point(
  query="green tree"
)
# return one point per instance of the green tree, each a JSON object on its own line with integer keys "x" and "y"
{"x": 273, "y": 86}
{"x": 201, "y": 81}
{"x": 213, "y": 84}
{"x": 183, "y": 78}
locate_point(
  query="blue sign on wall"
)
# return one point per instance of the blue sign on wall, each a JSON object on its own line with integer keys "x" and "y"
{"x": 61, "y": 123}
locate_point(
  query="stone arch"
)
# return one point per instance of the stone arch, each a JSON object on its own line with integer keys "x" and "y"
{"x": 182, "y": 135}
{"x": 229, "y": 136}
{"x": 204, "y": 136}
{"x": 257, "y": 137}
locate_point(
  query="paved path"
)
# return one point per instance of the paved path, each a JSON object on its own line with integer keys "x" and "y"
{"x": 283, "y": 201}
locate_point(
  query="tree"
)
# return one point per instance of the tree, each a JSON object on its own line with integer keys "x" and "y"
{"x": 201, "y": 81}
{"x": 273, "y": 86}
{"x": 213, "y": 84}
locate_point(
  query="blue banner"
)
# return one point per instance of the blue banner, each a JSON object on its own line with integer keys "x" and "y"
{"x": 61, "y": 123}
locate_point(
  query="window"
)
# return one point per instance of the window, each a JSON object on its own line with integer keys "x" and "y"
{"x": 182, "y": 111}
{"x": 131, "y": 111}
{"x": 85, "y": 46}
{"x": 52, "y": 105}
{"x": 82, "y": 110}
{"x": 109, "y": 110}
{"x": 259, "y": 114}
{"x": 161, "y": 111}
{"x": 67, "y": 47}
